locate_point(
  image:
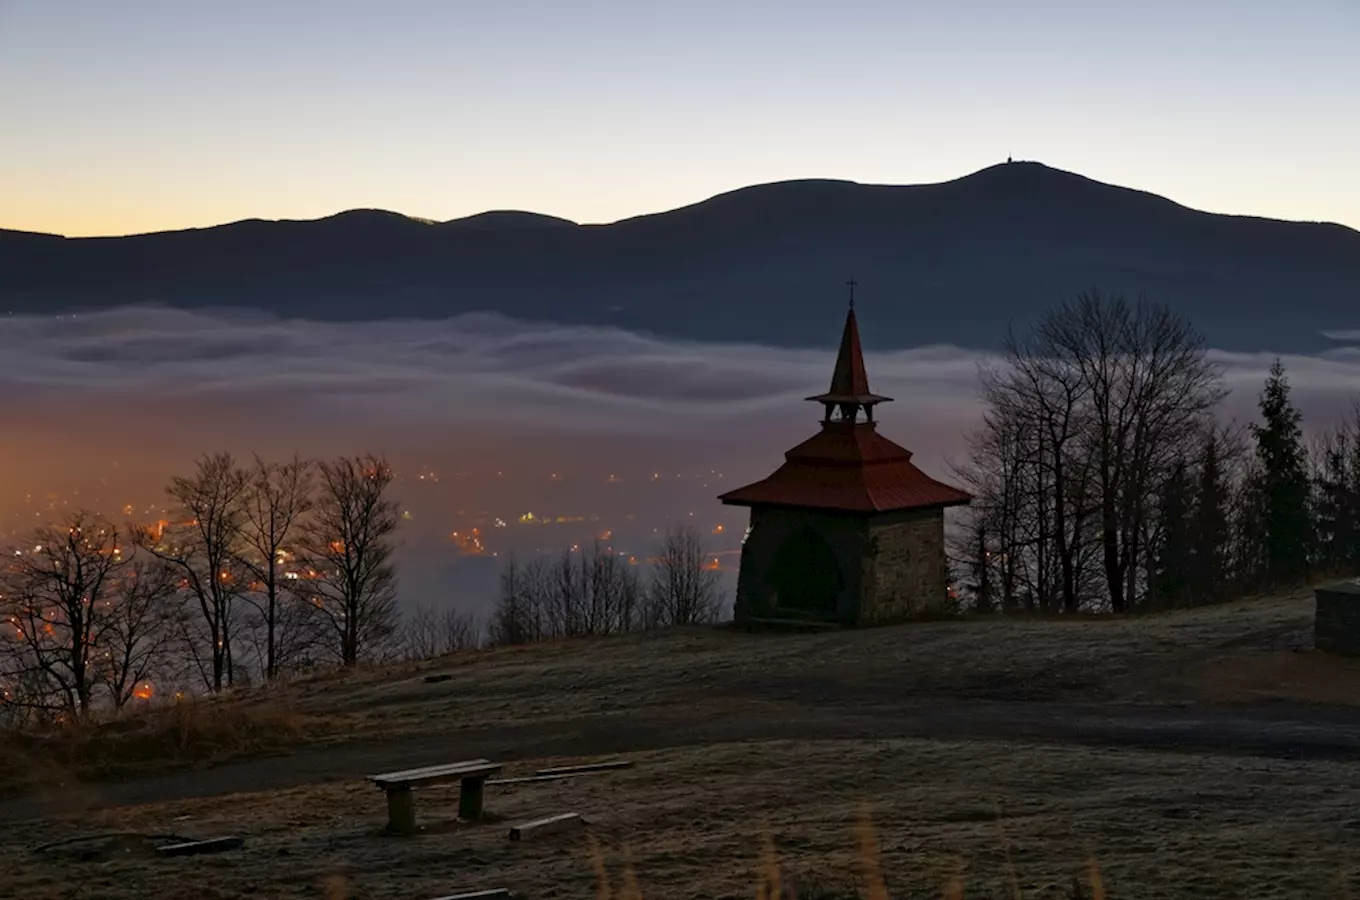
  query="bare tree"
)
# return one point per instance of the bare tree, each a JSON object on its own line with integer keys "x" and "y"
{"x": 427, "y": 633}
{"x": 56, "y": 604}
{"x": 683, "y": 589}
{"x": 564, "y": 604}
{"x": 277, "y": 500}
{"x": 347, "y": 546}
{"x": 613, "y": 592}
{"x": 585, "y": 591}
{"x": 518, "y": 618}
{"x": 580, "y": 592}
{"x": 995, "y": 475}
{"x": 299, "y": 627}
{"x": 1152, "y": 388}
{"x": 1087, "y": 418}
{"x": 202, "y": 541}
{"x": 140, "y": 628}
{"x": 1037, "y": 406}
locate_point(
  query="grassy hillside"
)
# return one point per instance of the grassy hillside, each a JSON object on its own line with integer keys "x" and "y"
{"x": 1237, "y": 652}
{"x": 1157, "y": 658}
{"x": 965, "y": 743}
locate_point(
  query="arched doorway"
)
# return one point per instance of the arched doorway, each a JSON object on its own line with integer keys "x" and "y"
{"x": 806, "y": 575}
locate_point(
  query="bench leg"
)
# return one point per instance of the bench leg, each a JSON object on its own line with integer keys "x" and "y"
{"x": 470, "y": 798}
{"x": 401, "y": 811}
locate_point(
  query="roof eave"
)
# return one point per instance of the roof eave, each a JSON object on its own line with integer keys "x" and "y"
{"x": 728, "y": 500}
{"x": 861, "y": 399}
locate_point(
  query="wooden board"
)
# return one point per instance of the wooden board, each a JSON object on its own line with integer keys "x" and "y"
{"x": 546, "y": 826}
{"x": 491, "y": 894}
{"x": 587, "y": 767}
{"x": 448, "y": 772}
{"x": 193, "y": 848}
{"x": 531, "y": 779}
{"x": 416, "y": 773}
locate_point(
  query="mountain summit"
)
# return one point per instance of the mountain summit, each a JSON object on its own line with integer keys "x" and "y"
{"x": 949, "y": 262}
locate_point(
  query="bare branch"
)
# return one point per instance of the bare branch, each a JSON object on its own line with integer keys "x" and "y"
{"x": 347, "y": 548}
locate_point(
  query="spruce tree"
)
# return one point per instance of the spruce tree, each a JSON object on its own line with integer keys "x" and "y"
{"x": 1350, "y": 549}
{"x": 1209, "y": 526}
{"x": 1335, "y": 502}
{"x": 1283, "y": 484}
{"x": 1172, "y": 573}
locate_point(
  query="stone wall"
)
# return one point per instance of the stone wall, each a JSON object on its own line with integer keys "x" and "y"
{"x": 1336, "y": 624}
{"x": 906, "y": 574}
{"x": 892, "y": 565}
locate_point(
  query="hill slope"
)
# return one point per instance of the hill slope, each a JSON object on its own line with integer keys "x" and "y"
{"x": 1166, "y": 744}
{"x": 942, "y": 262}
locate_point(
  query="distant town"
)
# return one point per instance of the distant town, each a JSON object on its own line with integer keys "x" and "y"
{"x": 434, "y": 511}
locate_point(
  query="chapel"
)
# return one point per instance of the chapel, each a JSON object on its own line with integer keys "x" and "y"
{"x": 848, "y": 530}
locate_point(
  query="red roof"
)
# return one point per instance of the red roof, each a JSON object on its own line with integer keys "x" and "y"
{"x": 848, "y": 467}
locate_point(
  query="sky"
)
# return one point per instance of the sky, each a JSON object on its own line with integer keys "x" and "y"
{"x": 158, "y": 114}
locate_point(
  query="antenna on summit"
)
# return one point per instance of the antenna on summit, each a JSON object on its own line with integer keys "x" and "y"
{"x": 851, "y": 284}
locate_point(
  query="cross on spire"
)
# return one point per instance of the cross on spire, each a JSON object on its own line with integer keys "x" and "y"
{"x": 851, "y": 284}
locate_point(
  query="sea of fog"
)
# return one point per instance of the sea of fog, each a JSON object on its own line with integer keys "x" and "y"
{"x": 540, "y": 436}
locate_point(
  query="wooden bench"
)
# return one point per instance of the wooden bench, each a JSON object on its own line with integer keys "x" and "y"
{"x": 401, "y": 810}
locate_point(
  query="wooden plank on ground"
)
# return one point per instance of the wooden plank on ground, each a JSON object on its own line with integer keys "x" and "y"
{"x": 492, "y": 894}
{"x": 193, "y": 848}
{"x": 546, "y": 826}
{"x": 532, "y": 779}
{"x": 587, "y": 767}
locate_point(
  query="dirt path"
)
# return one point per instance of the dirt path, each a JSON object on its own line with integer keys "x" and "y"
{"x": 1287, "y": 731}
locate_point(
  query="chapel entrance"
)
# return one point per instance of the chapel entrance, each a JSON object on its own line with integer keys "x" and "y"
{"x": 806, "y": 574}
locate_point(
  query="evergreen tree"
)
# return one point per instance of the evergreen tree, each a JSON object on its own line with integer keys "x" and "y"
{"x": 1171, "y": 577}
{"x": 1209, "y": 526}
{"x": 1349, "y": 551}
{"x": 1336, "y": 502}
{"x": 1283, "y": 488}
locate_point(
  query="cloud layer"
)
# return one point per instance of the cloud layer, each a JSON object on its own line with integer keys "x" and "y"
{"x": 111, "y": 403}
{"x": 470, "y": 367}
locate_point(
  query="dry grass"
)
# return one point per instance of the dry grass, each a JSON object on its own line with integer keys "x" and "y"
{"x": 718, "y": 822}
{"x": 186, "y": 733}
{"x": 1220, "y": 654}
{"x": 1303, "y": 676}
{"x": 815, "y": 819}
{"x": 994, "y": 658}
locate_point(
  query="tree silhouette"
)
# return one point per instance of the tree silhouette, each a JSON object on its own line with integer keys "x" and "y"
{"x": 1281, "y": 484}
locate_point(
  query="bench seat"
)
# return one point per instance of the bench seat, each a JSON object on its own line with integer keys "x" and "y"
{"x": 472, "y": 775}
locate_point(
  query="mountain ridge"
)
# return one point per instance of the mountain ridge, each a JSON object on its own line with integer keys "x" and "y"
{"x": 947, "y": 262}
{"x": 734, "y": 192}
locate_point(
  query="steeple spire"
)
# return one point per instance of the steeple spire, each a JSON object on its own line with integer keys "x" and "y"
{"x": 850, "y": 381}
